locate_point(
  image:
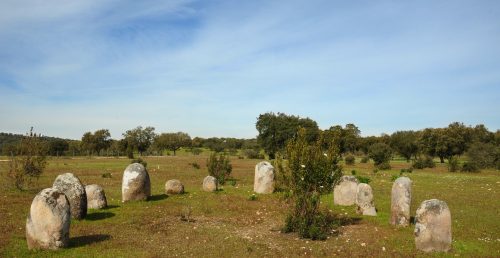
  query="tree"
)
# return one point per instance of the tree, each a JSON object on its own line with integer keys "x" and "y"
{"x": 219, "y": 167}
{"x": 139, "y": 139}
{"x": 58, "y": 147}
{"x": 312, "y": 172}
{"x": 380, "y": 153}
{"x": 276, "y": 129}
{"x": 30, "y": 160}
{"x": 347, "y": 139}
{"x": 172, "y": 141}
{"x": 96, "y": 142}
{"x": 405, "y": 143}
{"x": 483, "y": 155}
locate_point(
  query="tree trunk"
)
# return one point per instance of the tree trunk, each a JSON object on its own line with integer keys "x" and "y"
{"x": 441, "y": 158}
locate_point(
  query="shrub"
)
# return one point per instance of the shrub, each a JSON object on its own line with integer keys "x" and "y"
{"x": 30, "y": 162}
{"x": 106, "y": 175}
{"x": 195, "y": 165}
{"x": 380, "y": 153}
{"x": 349, "y": 159}
{"x": 219, "y": 167}
{"x": 483, "y": 155}
{"x": 470, "y": 167}
{"x": 384, "y": 166}
{"x": 312, "y": 173}
{"x": 453, "y": 164}
{"x": 353, "y": 172}
{"x": 365, "y": 159}
{"x": 394, "y": 177}
{"x": 363, "y": 179}
{"x": 253, "y": 154}
{"x": 252, "y": 197}
{"x": 423, "y": 162}
{"x": 196, "y": 151}
{"x": 140, "y": 161}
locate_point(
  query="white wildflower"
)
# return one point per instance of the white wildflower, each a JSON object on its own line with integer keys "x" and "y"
{"x": 303, "y": 166}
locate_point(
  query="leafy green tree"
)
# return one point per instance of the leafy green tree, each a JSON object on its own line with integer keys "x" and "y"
{"x": 96, "y": 142}
{"x": 405, "y": 143}
{"x": 276, "y": 129}
{"x": 58, "y": 147}
{"x": 311, "y": 172}
{"x": 139, "y": 139}
{"x": 483, "y": 155}
{"x": 172, "y": 141}
{"x": 347, "y": 139}
{"x": 380, "y": 153}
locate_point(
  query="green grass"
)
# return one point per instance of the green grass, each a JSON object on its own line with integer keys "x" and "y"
{"x": 227, "y": 223}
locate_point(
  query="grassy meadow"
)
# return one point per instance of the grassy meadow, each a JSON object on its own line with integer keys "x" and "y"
{"x": 229, "y": 224}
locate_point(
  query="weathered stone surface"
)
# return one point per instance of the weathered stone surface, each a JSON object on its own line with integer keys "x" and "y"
{"x": 47, "y": 226}
{"x": 74, "y": 190}
{"x": 136, "y": 185}
{"x": 364, "y": 200}
{"x": 174, "y": 186}
{"x": 264, "y": 178}
{"x": 210, "y": 184}
{"x": 96, "y": 198}
{"x": 401, "y": 202}
{"x": 345, "y": 192}
{"x": 433, "y": 226}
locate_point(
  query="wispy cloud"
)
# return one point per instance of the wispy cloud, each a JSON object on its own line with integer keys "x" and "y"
{"x": 211, "y": 67}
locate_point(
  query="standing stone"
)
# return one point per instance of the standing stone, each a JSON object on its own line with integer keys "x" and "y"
{"x": 96, "y": 198}
{"x": 74, "y": 190}
{"x": 433, "y": 226}
{"x": 174, "y": 186}
{"x": 364, "y": 200}
{"x": 264, "y": 178}
{"x": 401, "y": 201}
{"x": 47, "y": 226}
{"x": 136, "y": 185}
{"x": 345, "y": 192}
{"x": 210, "y": 184}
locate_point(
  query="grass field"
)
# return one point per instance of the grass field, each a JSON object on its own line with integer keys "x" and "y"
{"x": 228, "y": 224}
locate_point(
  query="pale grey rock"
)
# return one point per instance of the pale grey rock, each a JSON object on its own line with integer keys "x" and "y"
{"x": 96, "y": 197}
{"x": 345, "y": 192}
{"x": 264, "y": 178}
{"x": 364, "y": 200}
{"x": 210, "y": 184}
{"x": 136, "y": 185}
{"x": 433, "y": 226}
{"x": 74, "y": 190}
{"x": 47, "y": 226}
{"x": 174, "y": 186}
{"x": 401, "y": 202}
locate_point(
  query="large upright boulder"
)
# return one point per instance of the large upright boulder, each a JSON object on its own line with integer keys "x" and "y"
{"x": 210, "y": 184}
{"x": 74, "y": 190}
{"x": 401, "y": 202}
{"x": 47, "y": 226}
{"x": 433, "y": 226}
{"x": 346, "y": 191}
{"x": 264, "y": 178}
{"x": 136, "y": 185}
{"x": 96, "y": 198}
{"x": 364, "y": 200}
{"x": 174, "y": 186}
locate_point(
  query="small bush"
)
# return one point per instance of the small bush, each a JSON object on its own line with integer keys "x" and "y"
{"x": 363, "y": 179}
{"x": 365, "y": 159}
{"x": 353, "y": 172}
{"x": 470, "y": 167}
{"x": 253, "y": 154}
{"x": 252, "y": 197}
{"x": 409, "y": 170}
{"x": 384, "y": 166}
{"x": 483, "y": 155}
{"x": 106, "y": 175}
{"x": 423, "y": 162}
{"x": 349, "y": 159}
{"x": 195, "y": 165}
{"x": 196, "y": 151}
{"x": 140, "y": 161}
{"x": 219, "y": 167}
{"x": 453, "y": 164}
{"x": 394, "y": 177}
{"x": 380, "y": 153}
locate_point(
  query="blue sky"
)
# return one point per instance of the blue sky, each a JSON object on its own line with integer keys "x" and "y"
{"x": 209, "y": 68}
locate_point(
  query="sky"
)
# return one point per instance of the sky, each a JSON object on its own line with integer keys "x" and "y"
{"x": 210, "y": 67}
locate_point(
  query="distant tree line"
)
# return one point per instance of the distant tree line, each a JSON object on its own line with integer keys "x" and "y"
{"x": 275, "y": 130}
